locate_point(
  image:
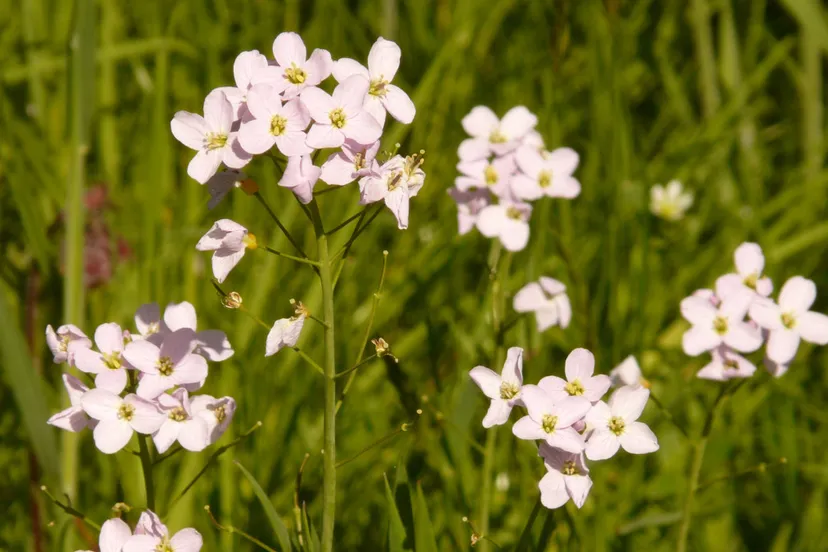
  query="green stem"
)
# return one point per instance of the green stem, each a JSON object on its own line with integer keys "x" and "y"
{"x": 146, "y": 466}
{"x": 526, "y": 535}
{"x": 230, "y": 529}
{"x": 69, "y": 510}
{"x": 355, "y": 366}
{"x": 309, "y": 360}
{"x": 347, "y": 221}
{"x": 356, "y": 234}
{"x": 378, "y": 442}
{"x": 291, "y": 257}
{"x": 280, "y": 225}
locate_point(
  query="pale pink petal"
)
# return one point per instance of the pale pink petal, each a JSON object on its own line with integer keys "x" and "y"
{"x": 473, "y": 148}
{"x": 74, "y": 388}
{"x": 398, "y": 104}
{"x": 537, "y": 401}
{"x": 767, "y": 314}
{"x": 204, "y": 165}
{"x": 321, "y": 136}
{"x": 255, "y": 136}
{"x": 552, "y": 286}
{"x": 547, "y": 317}
{"x": 298, "y": 117}
{"x": 181, "y": 315}
{"x": 736, "y": 306}
{"x": 150, "y": 524}
{"x": 515, "y": 235}
{"x": 629, "y": 403}
{"x": 398, "y": 201}
{"x": 112, "y": 380}
{"x": 626, "y": 373}
{"x": 596, "y": 387}
{"x": 346, "y": 67}
{"x": 699, "y": 339}
{"x": 318, "y": 67}
{"x": 528, "y": 429}
{"x": 246, "y": 65}
{"x": 214, "y": 345}
{"x": 764, "y": 286}
{"x": 350, "y": 95}
{"x": 187, "y": 540}
{"x": 223, "y": 262}
{"x": 114, "y": 534}
{"x": 192, "y": 369}
{"x": 578, "y": 487}
{"x": 288, "y": 48}
{"x": 525, "y": 187}
{"x": 178, "y": 344}
{"x": 713, "y": 370}
{"x": 152, "y": 385}
{"x": 318, "y": 103}
{"x": 480, "y": 123}
{"x": 101, "y": 404}
{"x": 566, "y": 439}
{"x": 234, "y": 155}
{"x": 513, "y": 367}
{"x": 375, "y": 107}
{"x": 142, "y": 543}
{"x": 143, "y": 356}
{"x": 562, "y": 161}
{"x": 166, "y": 435}
{"x": 293, "y": 144}
{"x": 598, "y": 416}
{"x": 698, "y": 311}
{"x": 638, "y": 438}
{"x": 263, "y": 101}
{"x": 553, "y": 490}
{"x": 554, "y": 387}
{"x": 566, "y": 187}
{"x": 111, "y": 435}
{"x": 571, "y": 409}
{"x": 147, "y": 418}
{"x": 338, "y": 170}
{"x": 87, "y": 360}
{"x": 218, "y": 112}
{"x": 813, "y": 327}
{"x": 564, "y": 309}
{"x": 749, "y": 259}
{"x": 580, "y": 365}
{"x": 109, "y": 338}
{"x": 797, "y": 295}
{"x": 384, "y": 60}
{"x": 189, "y": 129}
{"x": 743, "y": 337}
{"x": 517, "y": 122}
{"x": 498, "y": 413}
{"x": 193, "y": 435}
{"x": 487, "y": 380}
{"x": 530, "y": 162}
{"x": 147, "y": 318}
{"x": 729, "y": 285}
{"x": 529, "y": 298}
{"x": 362, "y": 128}
{"x": 602, "y": 444}
{"x": 782, "y": 345}
{"x": 72, "y": 419}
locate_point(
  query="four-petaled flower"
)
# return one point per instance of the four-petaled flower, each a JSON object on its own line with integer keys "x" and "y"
{"x": 748, "y": 277}
{"x": 228, "y": 240}
{"x": 340, "y": 116}
{"x": 285, "y": 332}
{"x": 300, "y": 177}
{"x": 580, "y": 365}
{"x": 725, "y": 365}
{"x": 567, "y": 476}
{"x": 250, "y": 68}
{"x": 118, "y": 418}
{"x": 65, "y": 341}
{"x": 298, "y": 72}
{"x": 396, "y": 181}
{"x": 216, "y": 413}
{"x": 492, "y": 135}
{"x": 73, "y": 418}
{"x": 508, "y": 221}
{"x": 108, "y": 365}
{"x": 181, "y": 424}
{"x": 114, "y": 534}
{"x": 274, "y": 123}
{"x": 548, "y": 300}
{"x": 551, "y": 418}
{"x": 469, "y": 205}
{"x": 344, "y": 166}
{"x": 713, "y": 326}
{"x": 153, "y": 536}
{"x": 504, "y": 390}
{"x": 670, "y": 203}
{"x": 546, "y": 174}
{"x": 627, "y": 373}
{"x": 495, "y": 176}
{"x": 171, "y": 364}
{"x": 616, "y": 425}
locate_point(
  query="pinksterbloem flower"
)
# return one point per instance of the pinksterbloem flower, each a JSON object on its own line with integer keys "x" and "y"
{"x": 211, "y": 137}
{"x": 216, "y": 413}
{"x": 153, "y": 536}
{"x": 150, "y": 524}
{"x": 548, "y": 300}
{"x": 300, "y": 177}
{"x": 712, "y": 326}
{"x": 396, "y": 181}
{"x": 73, "y": 418}
{"x": 791, "y": 320}
{"x": 298, "y": 72}
{"x": 148, "y": 323}
{"x": 118, "y": 418}
{"x": 748, "y": 277}
{"x": 503, "y": 390}
{"x": 250, "y": 68}
{"x": 228, "y": 240}
{"x": 567, "y": 476}
{"x": 626, "y": 373}
{"x": 726, "y": 365}
{"x": 211, "y": 344}
{"x": 114, "y": 534}
{"x": 108, "y": 365}
{"x": 615, "y": 425}
{"x": 494, "y": 176}
{"x": 547, "y": 174}
{"x": 181, "y": 424}
{"x": 343, "y": 167}
{"x": 63, "y": 342}
{"x": 507, "y": 221}
{"x": 469, "y": 205}
{"x": 580, "y": 365}
{"x": 340, "y": 116}
{"x": 274, "y": 123}
{"x": 164, "y": 367}
{"x": 285, "y": 331}
{"x": 220, "y": 185}
{"x": 489, "y": 134}
{"x": 550, "y": 419}
{"x": 383, "y": 63}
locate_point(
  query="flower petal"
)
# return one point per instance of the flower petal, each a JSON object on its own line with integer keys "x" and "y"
{"x": 566, "y": 439}
{"x": 743, "y": 337}
{"x": 288, "y": 49}
{"x": 580, "y": 365}
{"x": 101, "y": 404}
{"x": 766, "y": 313}
{"x": 517, "y": 122}
{"x": 697, "y": 311}
{"x": 513, "y": 367}
{"x": 797, "y": 295}
{"x": 528, "y": 429}
{"x": 562, "y": 161}
{"x": 498, "y": 413}
{"x": 187, "y": 540}
{"x": 191, "y": 369}
{"x": 112, "y": 380}
{"x": 189, "y": 129}
{"x": 578, "y": 487}
{"x": 480, "y": 123}
{"x": 166, "y": 435}
{"x": 114, "y": 534}
{"x": 362, "y": 128}
{"x": 193, "y": 435}
{"x": 629, "y": 403}
{"x": 109, "y": 338}
{"x": 749, "y": 259}
{"x": 529, "y": 298}
{"x": 143, "y": 356}
{"x": 602, "y": 444}
{"x": 398, "y": 104}
{"x": 487, "y": 380}
{"x": 345, "y": 67}
{"x": 111, "y": 435}
{"x": 699, "y": 339}
{"x": 638, "y": 438}
{"x": 384, "y": 60}
{"x": 553, "y": 490}
{"x": 813, "y": 327}
{"x": 782, "y": 345}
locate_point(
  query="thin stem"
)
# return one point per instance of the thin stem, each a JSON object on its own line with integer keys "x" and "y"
{"x": 345, "y": 254}
{"x": 759, "y": 468}
{"x": 281, "y": 226}
{"x": 318, "y": 321}
{"x": 526, "y": 535}
{"x": 146, "y": 466}
{"x": 509, "y": 324}
{"x": 309, "y": 360}
{"x": 230, "y": 529}
{"x": 297, "y": 510}
{"x": 403, "y": 428}
{"x": 355, "y": 366}
{"x": 669, "y": 416}
{"x": 69, "y": 510}
{"x": 291, "y": 257}
{"x": 327, "y": 190}
{"x": 347, "y": 221}
{"x": 170, "y": 454}
{"x": 356, "y": 234}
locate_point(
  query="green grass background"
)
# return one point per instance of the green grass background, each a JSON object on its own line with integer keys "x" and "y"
{"x": 726, "y": 95}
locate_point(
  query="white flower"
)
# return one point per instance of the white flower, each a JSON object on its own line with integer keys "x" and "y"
{"x": 181, "y": 424}
{"x": 108, "y": 365}
{"x": 167, "y": 366}
{"x": 748, "y": 277}
{"x": 713, "y": 326}
{"x": 396, "y": 181}
{"x": 670, "y": 203}
{"x": 64, "y": 342}
{"x": 567, "y": 477}
{"x": 492, "y": 135}
{"x": 580, "y": 365}
{"x": 118, "y": 418}
{"x": 285, "y": 331}
{"x": 616, "y": 425}
{"x": 114, "y": 534}
{"x": 153, "y": 536}
{"x": 73, "y": 418}
{"x": 217, "y": 413}
{"x": 725, "y": 365}
{"x": 503, "y": 390}
{"x": 550, "y": 419}
{"x": 548, "y": 300}
{"x": 228, "y": 240}
{"x": 508, "y": 221}
{"x": 626, "y": 373}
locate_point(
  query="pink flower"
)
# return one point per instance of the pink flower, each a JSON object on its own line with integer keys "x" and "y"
{"x": 148, "y": 322}
{"x": 548, "y": 174}
{"x": 216, "y": 413}
{"x": 300, "y": 177}
{"x": 63, "y": 342}
{"x": 211, "y": 137}
{"x": 284, "y": 333}
{"x": 580, "y": 365}
{"x": 503, "y": 390}
{"x": 791, "y": 320}
{"x": 482, "y": 174}
{"x": 551, "y": 419}
{"x": 396, "y": 181}
{"x": 114, "y": 534}
{"x": 489, "y": 134}
{"x": 152, "y": 536}
{"x": 713, "y": 326}
{"x": 108, "y": 364}
{"x": 343, "y": 167}
{"x": 73, "y": 418}
{"x": 548, "y": 300}
{"x": 118, "y": 418}
{"x": 228, "y": 240}
{"x": 299, "y": 73}
{"x": 150, "y": 524}
{"x": 726, "y": 365}
{"x": 469, "y": 205}
{"x": 274, "y": 123}
{"x": 383, "y": 63}
{"x": 211, "y": 344}
{"x": 508, "y": 221}
{"x": 340, "y": 116}
{"x": 166, "y": 366}
{"x": 181, "y": 424}
{"x": 616, "y": 425}
{"x": 749, "y": 262}
{"x": 249, "y": 69}
{"x": 220, "y": 185}
{"x": 567, "y": 476}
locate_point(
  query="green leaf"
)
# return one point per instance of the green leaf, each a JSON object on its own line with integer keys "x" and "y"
{"x": 424, "y": 538}
{"x": 810, "y": 16}
{"x": 276, "y": 522}
{"x": 396, "y": 529}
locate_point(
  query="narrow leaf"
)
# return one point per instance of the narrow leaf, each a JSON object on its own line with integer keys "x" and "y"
{"x": 276, "y": 522}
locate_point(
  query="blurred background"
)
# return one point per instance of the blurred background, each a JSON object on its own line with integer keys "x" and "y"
{"x": 98, "y": 216}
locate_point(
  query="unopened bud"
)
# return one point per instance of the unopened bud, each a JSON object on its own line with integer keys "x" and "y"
{"x": 232, "y": 300}
{"x": 249, "y": 186}
{"x": 121, "y": 508}
{"x": 383, "y": 348}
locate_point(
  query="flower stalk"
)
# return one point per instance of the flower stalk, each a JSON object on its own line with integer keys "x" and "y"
{"x": 146, "y": 466}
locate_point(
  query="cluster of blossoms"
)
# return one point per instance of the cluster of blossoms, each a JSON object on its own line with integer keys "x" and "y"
{"x": 670, "y": 202}
{"x": 569, "y": 419}
{"x": 143, "y": 380}
{"x": 548, "y": 300}
{"x": 720, "y": 327}
{"x": 150, "y": 536}
{"x": 504, "y": 166}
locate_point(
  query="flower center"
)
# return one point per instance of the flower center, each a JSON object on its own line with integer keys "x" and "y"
{"x": 508, "y": 390}
{"x": 63, "y": 345}
{"x": 497, "y": 137}
{"x": 616, "y": 425}
{"x": 359, "y": 161}
{"x": 165, "y": 366}
{"x": 720, "y": 325}
{"x": 337, "y": 117}
{"x": 216, "y": 140}
{"x": 153, "y": 328}
{"x": 394, "y": 181}
{"x": 545, "y": 179}
{"x": 178, "y": 414}
{"x": 788, "y": 320}
{"x": 219, "y": 413}
{"x": 490, "y": 174}
{"x": 750, "y": 281}
{"x": 569, "y": 468}
{"x": 732, "y": 364}
{"x": 164, "y": 546}
{"x": 514, "y": 213}
{"x": 295, "y": 75}
{"x": 574, "y": 388}
{"x": 549, "y": 422}
{"x": 377, "y": 87}
{"x": 277, "y": 125}
{"x": 112, "y": 360}
{"x": 125, "y": 412}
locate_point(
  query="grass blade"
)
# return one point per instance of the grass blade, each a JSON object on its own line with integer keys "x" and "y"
{"x": 276, "y": 522}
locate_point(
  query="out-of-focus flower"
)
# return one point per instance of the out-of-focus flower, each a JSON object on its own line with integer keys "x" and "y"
{"x": 748, "y": 277}
{"x": 616, "y": 425}
{"x": 502, "y": 482}
{"x": 507, "y": 221}
{"x": 156, "y": 538}
{"x": 340, "y": 116}
{"x": 216, "y": 413}
{"x": 713, "y": 326}
{"x": 300, "y": 177}
{"x": 108, "y": 365}
{"x": 343, "y": 167}
{"x": 298, "y": 72}
{"x": 725, "y": 365}
{"x": 164, "y": 367}
{"x": 482, "y": 174}
{"x": 118, "y": 418}
{"x": 396, "y": 181}
{"x": 550, "y": 419}
{"x": 579, "y": 382}
{"x": 469, "y": 205}
{"x": 274, "y": 123}
{"x": 181, "y": 424}
{"x": 228, "y": 240}
{"x": 211, "y": 344}
{"x": 567, "y": 476}
{"x": 492, "y": 135}
{"x": 285, "y": 331}
{"x": 220, "y": 185}
{"x": 503, "y": 390}
{"x": 64, "y": 341}
{"x": 548, "y": 174}
{"x": 670, "y": 203}
{"x": 548, "y": 300}
{"x": 73, "y": 418}
{"x": 626, "y": 373}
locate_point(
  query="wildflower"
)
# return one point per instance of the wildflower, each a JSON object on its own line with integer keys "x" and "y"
{"x": 626, "y": 373}
{"x": 713, "y": 326}
{"x": 300, "y": 177}
{"x": 118, "y": 418}
{"x": 507, "y": 221}
{"x": 343, "y": 167}
{"x": 567, "y": 476}
{"x": 114, "y": 534}
{"x": 580, "y": 365}
{"x": 274, "y": 123}
{"x": 298, "y": 72}
{"x": 502, "y": 482}
{"x": 108, "y": 365}
{"x": 150, "y": 524}
{"x": 489, "y": 134}
{"x": 285, "y": 331}
{"x": 708, "y": 295}
{"x": 186, "y": 540}
{"x": 482, "y": 174}
{"x": 340, "y": 116}
{"x": 791, "y": 320}
{"x": 164, "y": 367}
{"x": 670, "y": 203}
{"x": 181, "y": 424}
{"x": 228, "y": 240}
{"x": 550, "y": 419}
{"x": 548, "y": 300}
{"x": 63, "y": 342}
{"x": 73, "y": 418}
{"x": 748, "y": 277}
{"x": 504, "y": 390}
{"x": 469, "y": 205}
{"x": 548, "y": 174}
{"x": 216, "y": 413}
{"x": 383, "y": 63}
{"x": 250, "y": 68}
{"x": 211, "y": 344}
{"x": 220, "y": 185}
{"x": 148, "y": 322}
{"x": 615, "y": 425}
{"x": 396, "y": 181}
{"x": 211, "y": 137}
{"x": 725, "y": 365}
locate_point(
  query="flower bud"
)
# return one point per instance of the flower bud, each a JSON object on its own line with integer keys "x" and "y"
{"x": 232, "y": 300}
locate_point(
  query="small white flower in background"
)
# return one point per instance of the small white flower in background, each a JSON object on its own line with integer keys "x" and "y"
{"x": 502, "y": 482}
{"x": 228, "y": 240}
{"x": 383, "y": 63}
{"x": 285, "y": 331}
{"x": 220, "y": 185}
{"x": 713, "y": 326}
{"x": 249, "y": 68}
{"x": 181, "y": 424}
{"x": 300, "y": 177}
{"x": 670, "y": 203}
{"x": 396, "y": 181}
{"x": 627, "y": 373}
{"x": 217, "y": 413}
{"x": 482, "y": 174}
{"x": 64, "y": 341}
{"x": 114, "y": 534}
{"x": 551, "y": 418}
{"x": 567, "y": 476}
{"x": 343, "y": 167}
{"x": 548, "y": 300}
{"x": 164, "y": 367}
{"x": 492, "y": 135}
{"x": 616, "y": 425}
{"x": 341, "y": 115}
{"x": 469, "y": 205}
{"x": 211, "y": 344}
{"x": 73, "y": 418}
{"x": 298, "y": 72}
{"x": 508, "y": 221}
{"x": 118, "y": 418}
{"x": 749, "y": 262}
{"x": 579, "y": 382}
{"x": 274, "y": 123}
{"x": 504, "y": 390}
{"x": 726, "y": 365}
{"x": 108, "y": 365}
{"x": 791, "y": 320}
{"x": 548, "y": 174}
{"x": 153, "y": 536}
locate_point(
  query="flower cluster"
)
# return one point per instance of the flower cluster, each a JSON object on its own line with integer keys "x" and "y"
{"x": 720, "y": 327}
{"x": 569, "y": 419}
{"x": 143, "y": 380}
{"x": 548, "y": 300}
{"x": 504, "y": 166}
{"x": 150, "y": 536}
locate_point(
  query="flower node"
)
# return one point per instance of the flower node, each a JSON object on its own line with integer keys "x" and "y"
{"x": 616, "y": 425}
{"x": 508, "y": 390}
{"x": 569, "y": 468}
{"x": 337, "y": 117}
{"x": 491, "y": 175}
{"x": 278, "y": 124}
{"x": 125, "y": 412}
{"x": 788, "y": 320}
{"x": 165, "y": 366}
{"x": 178, "y": 414}
{"x": 545, "y": 179}
{"x": 216, "y": 140}
{"x": 549, "y": 422}
{"x": 574, "y": 388}
{"x": 720, "y": 325}
{"x": 296, "y": 75}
